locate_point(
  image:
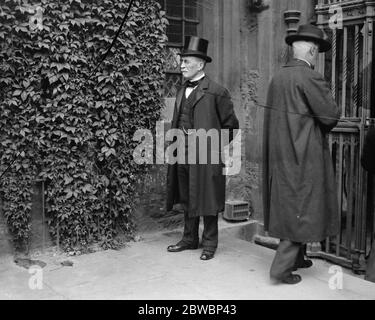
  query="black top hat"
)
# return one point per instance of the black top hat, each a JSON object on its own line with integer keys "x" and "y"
{"x": 312, "y": 33}
{"x": 196, "y": 47}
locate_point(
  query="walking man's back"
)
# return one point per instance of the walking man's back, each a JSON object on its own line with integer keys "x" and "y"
{"x": 300, "y": 199}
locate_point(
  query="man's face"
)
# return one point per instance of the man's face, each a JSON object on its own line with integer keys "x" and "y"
{"x": 191, "y": 66}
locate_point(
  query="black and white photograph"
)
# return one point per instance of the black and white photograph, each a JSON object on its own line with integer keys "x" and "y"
{"x": 187, "y": 156}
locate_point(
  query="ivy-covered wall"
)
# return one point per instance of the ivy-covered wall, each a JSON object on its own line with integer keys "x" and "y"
{"x": 71, "y": 125}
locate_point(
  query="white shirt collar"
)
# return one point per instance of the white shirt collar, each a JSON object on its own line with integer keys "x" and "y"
{"x": 189, "y": 89}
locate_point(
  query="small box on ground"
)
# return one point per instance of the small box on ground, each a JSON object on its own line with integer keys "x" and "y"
{"x": 236, "y": 211}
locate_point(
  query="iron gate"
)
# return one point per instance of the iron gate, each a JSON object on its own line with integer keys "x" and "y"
{"x": 348, "y": 67}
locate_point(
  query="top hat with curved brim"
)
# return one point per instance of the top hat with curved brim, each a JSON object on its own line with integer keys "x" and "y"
{"x": 195, "y": 47}
{"x": 309, "y": 32}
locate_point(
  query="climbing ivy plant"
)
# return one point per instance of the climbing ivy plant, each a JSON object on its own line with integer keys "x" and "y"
{"x": 72, "y": 125}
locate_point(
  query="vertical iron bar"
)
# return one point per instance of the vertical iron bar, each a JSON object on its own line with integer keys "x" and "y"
{"x": 340, "y": 172}
{"x": 356, "y": 71}
{"x": 330, "y": 139}
{"x": 350, "y": 197}
{"x": 334, "y": 63}
{"x": 360, "y": 221}
{"x": 344, "y": 71}
{"x": 183, "y": 23}
{"x": 369, "y": 37}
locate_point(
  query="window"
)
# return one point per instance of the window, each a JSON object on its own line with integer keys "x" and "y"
{"x": 183, "y": 21}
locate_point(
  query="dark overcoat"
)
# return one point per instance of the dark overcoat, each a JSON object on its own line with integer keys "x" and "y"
{"x": 368, "y": 152}
{"x": 212, "y": 109}
{"x": 299, "y": 190}
{"x": 368, "y": 162}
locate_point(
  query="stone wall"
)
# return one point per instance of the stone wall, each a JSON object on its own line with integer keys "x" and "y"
{"x": 247, "y": 48}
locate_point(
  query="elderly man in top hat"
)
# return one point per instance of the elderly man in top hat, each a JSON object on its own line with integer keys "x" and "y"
{"x": 299, "y": 190}
{"x": 199, "y": 188}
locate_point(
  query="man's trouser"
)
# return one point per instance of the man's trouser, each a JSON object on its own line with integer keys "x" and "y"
{"x": 191, "y": 226}
{"x": 370, "y": 266}
{"x": 288, "y": 256}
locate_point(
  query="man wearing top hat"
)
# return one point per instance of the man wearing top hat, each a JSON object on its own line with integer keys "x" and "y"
{"x": 299, "y": 189}
{"x": 199, "y": 188}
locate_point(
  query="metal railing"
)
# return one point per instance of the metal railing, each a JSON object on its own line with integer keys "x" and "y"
{"x": 348, "y": 69}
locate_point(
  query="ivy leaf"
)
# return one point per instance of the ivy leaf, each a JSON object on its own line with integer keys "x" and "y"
{"x": 69, "y": 194}
{"x": 52, "y": 79}
{"x": 26, "y": 83}
{"x": 76, "y": 131}
{"x": 24, "y": 96}
{"x": 67, "y": 180}
{"x": 87, "y": 188}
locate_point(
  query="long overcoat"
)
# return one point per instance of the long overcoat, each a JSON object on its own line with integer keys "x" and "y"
{"x": 368, "y": 162}
{"x": 299, "y": 189}
{"x": 212, "y": 109}
{"x": 368, "y": 152}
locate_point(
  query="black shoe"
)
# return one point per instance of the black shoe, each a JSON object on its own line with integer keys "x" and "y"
{"x": 181, "y": 247}
{"x": 207, "y": 255}
{"x": 292, "y": 279}
{"x": 304, "y": 265}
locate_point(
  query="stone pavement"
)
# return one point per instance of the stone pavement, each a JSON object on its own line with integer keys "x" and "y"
{"x": 144, "y": 270}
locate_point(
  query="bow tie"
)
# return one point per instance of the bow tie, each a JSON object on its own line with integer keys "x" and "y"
{"x": 192, "y": 84}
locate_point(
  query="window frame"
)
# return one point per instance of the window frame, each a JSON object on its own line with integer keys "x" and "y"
{"x": 177, "y": 46}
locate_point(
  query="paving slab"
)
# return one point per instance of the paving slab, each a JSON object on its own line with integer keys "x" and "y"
{"x": 144, "y": 270}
